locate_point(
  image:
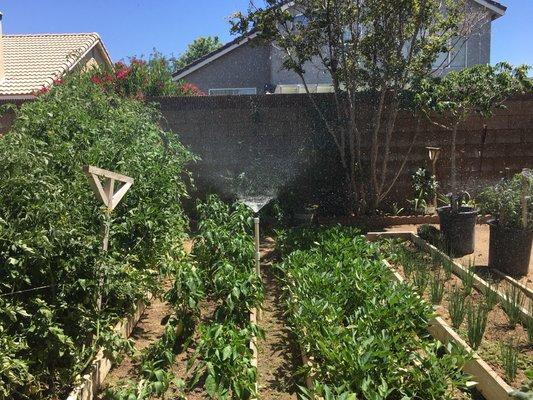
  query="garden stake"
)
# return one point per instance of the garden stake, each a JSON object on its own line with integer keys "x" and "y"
{"x": 111, "y": 199}
{"x": 257, "y": 255}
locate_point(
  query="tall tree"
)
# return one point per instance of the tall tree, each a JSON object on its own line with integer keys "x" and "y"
{"x": 381, "y": 47}
{"x": 481, "y": 89}
{"x": 196, "y": 49}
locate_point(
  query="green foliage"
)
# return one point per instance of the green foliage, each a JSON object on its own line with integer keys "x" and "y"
{"x": 468, "y": 280}
{"x": 380, "y": 47}
{"x": 503, "y": 201}
{"x": 343, "y": 307}
{"x": 436, "y": 289}
{"x": 456, "y": 306}
{"x": 50, "y": 223}
{"x": 509, "y": 359}
{"x": 491, "y": 295}
{"x": 224, "y": 359}
{"x": 430, "y": 234}
{"x": 526, "y": 391}
{"x": 476, "y": 323}
{"x": 142, "y": 78}
{"x": 196, "y": 49}
{"x": 512, "y": 304}
{"x": 224, "y": 253}
{"x": 425, "y": 189}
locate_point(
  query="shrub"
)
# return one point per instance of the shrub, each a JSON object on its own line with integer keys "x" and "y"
{"x": 50, "y": 223}
{"x": 141, "y": 78}
{"x": 503, "y": 201}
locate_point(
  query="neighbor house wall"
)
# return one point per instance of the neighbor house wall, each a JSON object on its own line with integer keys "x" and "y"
{"x": 281, "y": 135}
{"x": 248, "y": 66}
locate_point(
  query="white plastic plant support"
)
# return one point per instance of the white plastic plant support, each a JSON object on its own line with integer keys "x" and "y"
{"x": 107, "y": 194}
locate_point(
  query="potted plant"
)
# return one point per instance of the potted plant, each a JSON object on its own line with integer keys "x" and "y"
{"x": 510, "y": 202}
{"x": 448, "y": 102}
{"x": 458, "y": 224}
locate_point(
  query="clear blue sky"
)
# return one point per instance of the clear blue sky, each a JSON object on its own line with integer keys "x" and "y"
{"x": 134, "y": 27}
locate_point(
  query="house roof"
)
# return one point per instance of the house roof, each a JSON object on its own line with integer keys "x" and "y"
{"x": 492, "y": 5}
{"x": 34, "y": 61}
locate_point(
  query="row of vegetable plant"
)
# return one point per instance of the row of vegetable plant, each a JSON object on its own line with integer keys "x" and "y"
{"x": 365, "y": 334}
{"x": 224, "y": 253}
{"x": 50, "y": 230}
{"x": 220, "y": 271}
{"x": 493, "y": 328}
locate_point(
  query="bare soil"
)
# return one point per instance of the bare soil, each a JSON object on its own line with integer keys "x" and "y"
{"x": 498, "y": 330}
{"x": 147, "y": 331}
{"x": 480, "y": 257}
{"x": 277, "y": 353}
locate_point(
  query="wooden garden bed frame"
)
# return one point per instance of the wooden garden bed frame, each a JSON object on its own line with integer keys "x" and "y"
{"x": 489, "y": 383}
{"x": 93, "y": 377}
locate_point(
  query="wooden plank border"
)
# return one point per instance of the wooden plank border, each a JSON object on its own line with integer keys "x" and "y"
{"x": 459, "y": 270}
{"x": 94, "y": 375}
{"x": 253, "y": 347}
{"x": 489, "y": 383}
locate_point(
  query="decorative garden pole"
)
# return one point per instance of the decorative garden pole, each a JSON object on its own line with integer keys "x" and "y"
{"x": 111, "y": 198}
{"x": 434, "y": 153}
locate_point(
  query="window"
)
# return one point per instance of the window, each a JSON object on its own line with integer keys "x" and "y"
{"x": 232, "y": 91}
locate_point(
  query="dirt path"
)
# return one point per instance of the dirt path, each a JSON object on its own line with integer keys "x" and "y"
{"x": 278, "y": 357}
{"x": 147, "y": 331}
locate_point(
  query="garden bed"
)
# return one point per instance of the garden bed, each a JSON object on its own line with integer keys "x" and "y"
{"x": 93, "y": 377}
{"x": 487, "y": 366}
{"x": 344, "y": 312}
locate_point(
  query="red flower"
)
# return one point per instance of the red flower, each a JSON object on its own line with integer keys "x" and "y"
{"x": 108, "y": 78}
{"x": 58, "y": 81}
{"x": 96, "y": 80}
{"x": 122, "y": 73}
{"x": 42, "y": 90}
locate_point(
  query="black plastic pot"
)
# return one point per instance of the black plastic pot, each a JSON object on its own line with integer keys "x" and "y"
{"x": 510, "y": 249}
{"x": 458, "y": 229}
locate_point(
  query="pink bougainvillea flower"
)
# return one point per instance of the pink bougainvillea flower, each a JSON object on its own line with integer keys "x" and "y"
{"x": 122, "y": 73}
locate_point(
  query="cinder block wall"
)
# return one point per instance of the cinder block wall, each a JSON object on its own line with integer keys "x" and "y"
{"x": 247, "y": 133}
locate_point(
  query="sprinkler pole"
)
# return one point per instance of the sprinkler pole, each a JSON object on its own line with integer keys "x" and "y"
{"x": 257, "y": 252}
{"x": 257, "y": 257}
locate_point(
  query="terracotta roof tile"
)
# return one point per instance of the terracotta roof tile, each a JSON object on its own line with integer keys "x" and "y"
{"x": 34, "y": 61}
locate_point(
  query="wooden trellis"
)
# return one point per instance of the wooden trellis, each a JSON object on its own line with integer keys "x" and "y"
{"x": 110, "y": 192}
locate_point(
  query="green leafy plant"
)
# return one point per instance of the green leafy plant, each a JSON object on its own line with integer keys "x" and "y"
{"x": 491, "y": 295}
{"x": 425, "y": 188}
{"x": 447, "y": 266}
{"x": 468, "y": 279}
{"x": 456, "y": 306}
{"x": 50, "y": 226}
{"x": 476, "y": 323}
{"x": 436, "y": 288}
{"x": 512, "y": 304}
{"x": 503, "y": 201}
{"x": 342, "y": 305}
{"x": 509, "y": 359}
{"x": 223, "y": 358}
{"x": 421, "y": 279}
